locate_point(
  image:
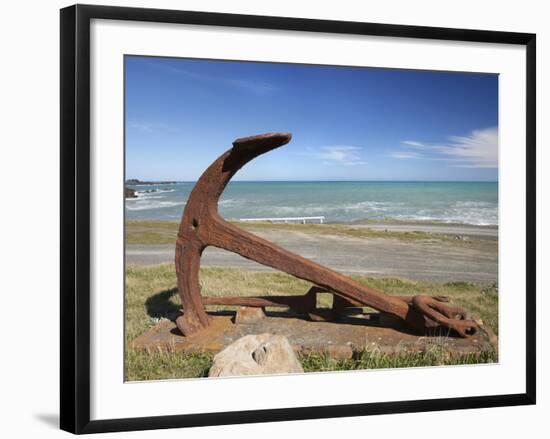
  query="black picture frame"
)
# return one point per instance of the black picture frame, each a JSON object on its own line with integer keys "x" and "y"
{"x": 75, "y": 217}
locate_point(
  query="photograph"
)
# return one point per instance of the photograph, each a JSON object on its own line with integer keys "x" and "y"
{"x": 270, "y": 220}
{"x": 292, "y": 218}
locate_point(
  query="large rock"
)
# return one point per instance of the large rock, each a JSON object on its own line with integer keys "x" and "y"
{"x": 256, "y": 355}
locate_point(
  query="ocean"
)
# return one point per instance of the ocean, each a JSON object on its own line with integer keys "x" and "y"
{"x": 453, "y": 202}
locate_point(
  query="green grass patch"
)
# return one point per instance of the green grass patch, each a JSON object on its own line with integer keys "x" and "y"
{"x": 151, "y": 232}
{"x": 151, "y": 295}
{"x": 165, "y": 365}
{"x": 373, "y": 359}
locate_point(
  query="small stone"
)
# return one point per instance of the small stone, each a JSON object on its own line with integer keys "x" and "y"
{"x": 246, "y": 314}
{"x": 256, "y": 355}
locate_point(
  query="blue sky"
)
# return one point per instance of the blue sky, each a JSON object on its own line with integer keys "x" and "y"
{"x": 347, "y": 123}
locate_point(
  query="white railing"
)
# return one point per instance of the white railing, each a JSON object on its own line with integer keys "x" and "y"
{"x": 302, "y": 219}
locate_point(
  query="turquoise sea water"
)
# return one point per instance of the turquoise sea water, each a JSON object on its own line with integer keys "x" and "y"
{"x": 457, "y": 202}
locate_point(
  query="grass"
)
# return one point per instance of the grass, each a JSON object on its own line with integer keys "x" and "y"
{"x": 146, "y": 366}
{"x": 151, "y": 232}
{"x": 372, "y": 359}
{"x": 164, "y": 232}
{"x": 151, "y": 296}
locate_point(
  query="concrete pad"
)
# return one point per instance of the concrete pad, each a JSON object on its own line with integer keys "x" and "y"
{"x": 336, "y": 339}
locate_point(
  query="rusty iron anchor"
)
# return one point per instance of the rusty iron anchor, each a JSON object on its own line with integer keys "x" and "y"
{"x": 202, "y": 226}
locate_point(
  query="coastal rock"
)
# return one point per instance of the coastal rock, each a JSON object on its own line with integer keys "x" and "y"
{"x": 256, "y": 355}
{"x": 129, "y": 193}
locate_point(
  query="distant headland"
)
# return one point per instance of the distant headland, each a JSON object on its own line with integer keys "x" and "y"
{"x": 135, "y": 181}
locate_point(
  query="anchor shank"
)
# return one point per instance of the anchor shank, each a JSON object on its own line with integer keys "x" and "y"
{"x": 229, "y": 237}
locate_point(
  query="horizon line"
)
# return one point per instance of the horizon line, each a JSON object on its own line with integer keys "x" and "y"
{"x": 319, "y": 181}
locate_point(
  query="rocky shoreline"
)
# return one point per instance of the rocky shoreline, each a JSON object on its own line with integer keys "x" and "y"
{"x": 132, "y": 193}
{"x": 129, "y": 193}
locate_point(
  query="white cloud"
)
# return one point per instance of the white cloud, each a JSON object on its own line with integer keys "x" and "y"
{"x": 256, "y": 87}
{"x": 405, "y": 155}
{"x": 412, "y": 143}
{"x": 340, "y": 154}
{"x": 477, "y": 150}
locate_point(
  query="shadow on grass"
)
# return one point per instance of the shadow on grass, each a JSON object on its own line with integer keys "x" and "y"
{"x": 161, "y": 305}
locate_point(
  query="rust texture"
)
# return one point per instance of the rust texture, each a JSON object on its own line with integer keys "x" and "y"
{"x": 201, "y": 226}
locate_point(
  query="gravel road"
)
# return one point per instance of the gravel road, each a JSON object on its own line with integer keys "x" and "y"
{"x": 474, "y": 260}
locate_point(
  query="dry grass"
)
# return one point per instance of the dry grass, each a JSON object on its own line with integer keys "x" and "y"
{"x": 164, "y": 232}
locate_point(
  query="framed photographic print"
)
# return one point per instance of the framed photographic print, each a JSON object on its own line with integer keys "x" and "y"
{"x": 260, "y": 214}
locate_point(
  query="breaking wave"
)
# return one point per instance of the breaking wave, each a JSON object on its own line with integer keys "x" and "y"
{"x": 151, "y": 204}
{"x": 467, "y": 203}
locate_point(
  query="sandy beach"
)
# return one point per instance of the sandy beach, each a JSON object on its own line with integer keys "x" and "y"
{"x": 444, "y": 252}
